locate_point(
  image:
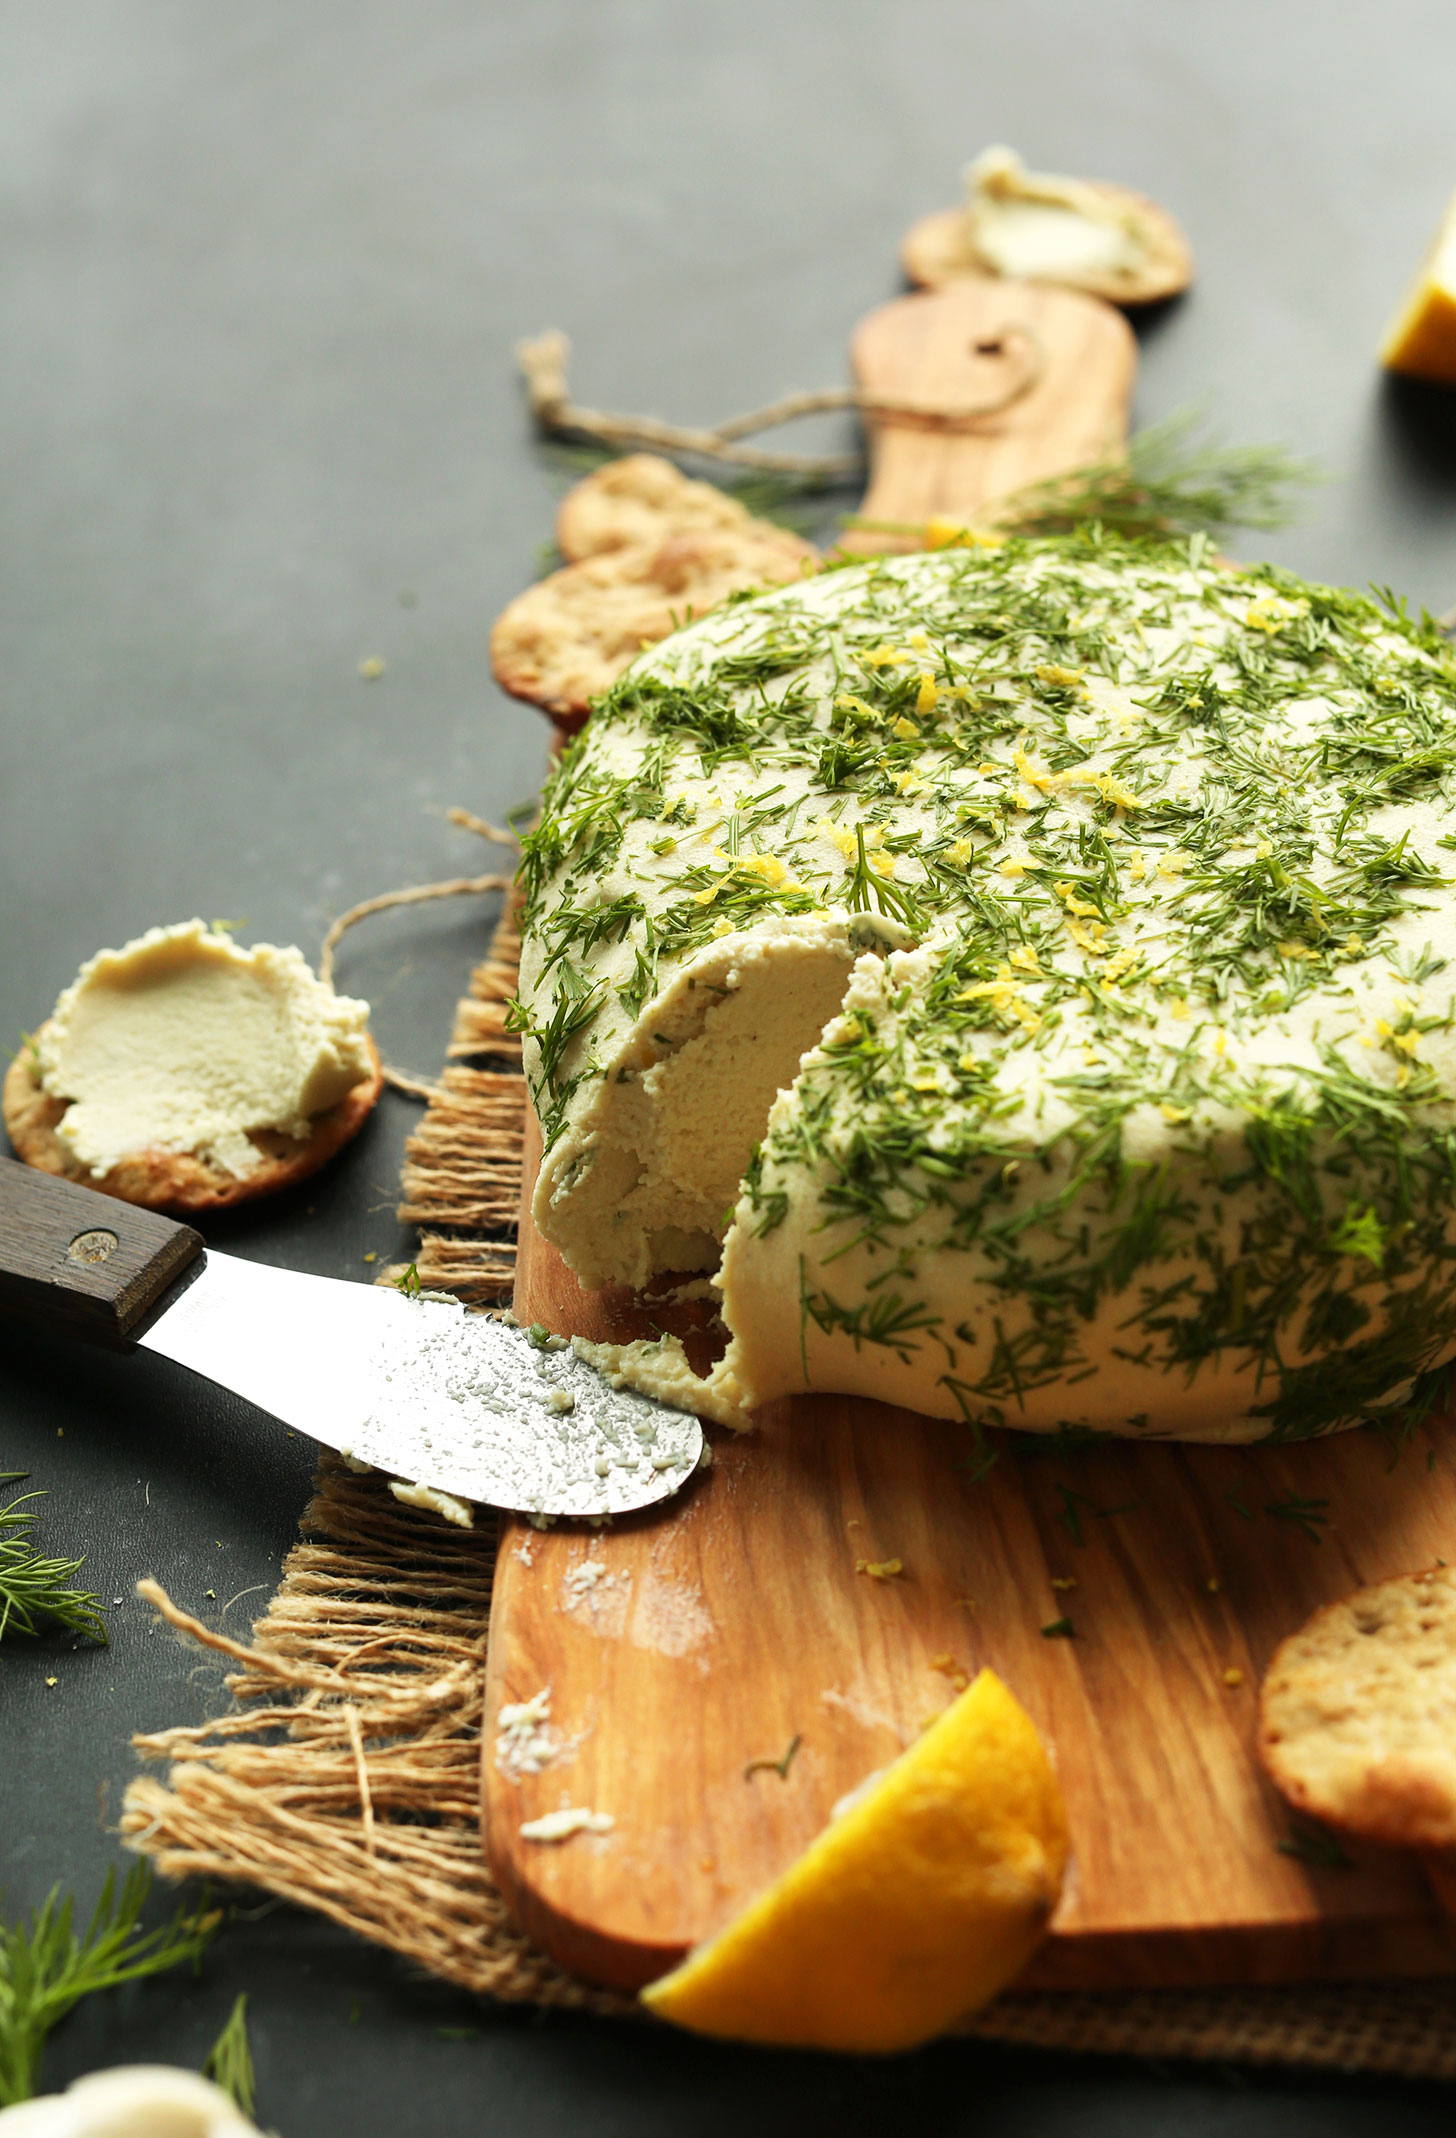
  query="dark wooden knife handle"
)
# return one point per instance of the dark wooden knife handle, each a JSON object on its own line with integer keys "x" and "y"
{"x": 84, "y": 1264}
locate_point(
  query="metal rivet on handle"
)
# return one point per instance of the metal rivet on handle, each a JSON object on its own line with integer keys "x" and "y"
{"x": 95, "y": 1246}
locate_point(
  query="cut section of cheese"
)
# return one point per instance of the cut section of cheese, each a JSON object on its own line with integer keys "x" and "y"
{"x": 647, "y": 1180}
{"x": 1422, "y": 339}
{"x": 1059, "y": 941}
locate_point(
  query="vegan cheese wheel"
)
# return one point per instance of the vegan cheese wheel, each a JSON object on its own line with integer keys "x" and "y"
{"x": 1025, "y": 974}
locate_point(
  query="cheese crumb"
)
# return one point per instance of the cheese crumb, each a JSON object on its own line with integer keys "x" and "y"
{"x": 561, "y": 1825}
{"x": 434, "y": 1502}
{"x": 525, "y": 1738}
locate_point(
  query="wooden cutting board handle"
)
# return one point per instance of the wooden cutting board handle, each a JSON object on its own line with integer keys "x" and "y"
{"x": 1052, "y": 370}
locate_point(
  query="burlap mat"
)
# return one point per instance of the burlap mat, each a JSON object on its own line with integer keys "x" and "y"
{"x": 345, "y": 1775}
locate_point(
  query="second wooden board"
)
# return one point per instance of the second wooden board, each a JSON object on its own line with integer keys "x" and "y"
{"x": 1051, "y": 372}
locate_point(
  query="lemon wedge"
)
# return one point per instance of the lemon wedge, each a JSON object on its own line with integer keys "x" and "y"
{"x": 925, "y": 1896}
{"x": 1423, "y": 338}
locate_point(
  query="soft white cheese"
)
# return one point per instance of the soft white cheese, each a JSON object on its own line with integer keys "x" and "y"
{"x": 1040, "y": 227}
{"x": 561, "y": 1825}
{"x": 1083, "y": 930}
{"x": 526, "y": 1739}
{"x": 659, "y": 1367}
{"x": 131, "y": 2101}
{"x": 182, "y": 1041}
{"x": 432, "y": 1501}
{"x": 683, "y": 1096}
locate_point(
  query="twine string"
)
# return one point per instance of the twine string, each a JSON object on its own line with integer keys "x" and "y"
{"x": 543, "y": 362}
{"x": 366, "y": 1800}
{"x": 403, "y": 1080}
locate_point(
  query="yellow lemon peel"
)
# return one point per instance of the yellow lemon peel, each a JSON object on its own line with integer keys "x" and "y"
{"x": 1422, "y": 338}
{"x": 923, "y": 1899}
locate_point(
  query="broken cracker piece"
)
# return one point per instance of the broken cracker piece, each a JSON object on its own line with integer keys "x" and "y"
{"x": 1357, "y": 1713}
{"x": 567, "y": 639}
{"x": 641, "y": 498}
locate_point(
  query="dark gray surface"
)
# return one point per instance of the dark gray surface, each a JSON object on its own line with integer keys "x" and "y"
{"x": 262, "y": 272}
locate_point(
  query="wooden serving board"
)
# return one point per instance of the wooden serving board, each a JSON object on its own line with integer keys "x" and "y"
{"x": 686, "y": 1647}
{"x": 734, "y": 1621}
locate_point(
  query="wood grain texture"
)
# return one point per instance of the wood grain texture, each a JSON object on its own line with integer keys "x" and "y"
{"x": 962, "y": 346}
{"x": 82, "y": 1263}
{"x": 733, "y": 1622}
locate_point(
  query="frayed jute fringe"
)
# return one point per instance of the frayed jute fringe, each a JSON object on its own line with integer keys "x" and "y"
{"x": 345, "y": 1776}
{"x": 461, "y": 1182}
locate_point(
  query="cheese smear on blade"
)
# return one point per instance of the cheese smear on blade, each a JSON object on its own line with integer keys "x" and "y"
{"x": 182, "y": 1041}
{"x": 1053, "y": 949}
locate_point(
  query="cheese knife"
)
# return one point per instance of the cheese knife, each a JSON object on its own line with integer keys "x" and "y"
{"x": 409, "y": 1384}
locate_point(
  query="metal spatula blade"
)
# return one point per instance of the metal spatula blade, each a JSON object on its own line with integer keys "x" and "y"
{"x": 414, "y": 1386}
{"x": 420, "y": 1388}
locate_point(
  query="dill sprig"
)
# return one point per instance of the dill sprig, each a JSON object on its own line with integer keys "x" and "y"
{"x": 1170, "y": 482}
{"x": 1312, "y": 1844}
{"x": 36, "y": 1592}
{"x": 46, "y": 1969}
{"x": 780, "y": 1767}
{"x": 1069, "y": 1514}
{"x": 230, "y": 2059}
{"x": 1306, "y": 1514}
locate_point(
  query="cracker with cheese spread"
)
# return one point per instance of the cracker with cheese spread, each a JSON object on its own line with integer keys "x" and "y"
{"x": 1033, "y": 226}
{"x": 187, "y": 1074}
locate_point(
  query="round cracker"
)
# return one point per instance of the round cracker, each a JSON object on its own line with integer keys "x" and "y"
{"x": 179, "y": 1182}
{"x": 936, "y": 250}
{"x": 640, "y": 498}
{"x": 567, "y": 639}
{"x": 1357, "y": 1713}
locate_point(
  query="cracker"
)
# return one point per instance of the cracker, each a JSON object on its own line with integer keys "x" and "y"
{"x": 640, "y": 498}
{"x": 1357, "y": 1713}
{"x": 937, "y": 250}
{"x": 568, "y": 638}
{"x": 179, "y": 1182}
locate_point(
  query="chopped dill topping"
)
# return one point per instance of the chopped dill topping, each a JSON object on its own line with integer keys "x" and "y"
{"x": 1313, "y": 1845}
{"x": 1141, "y": 1108}
{"x": 779, "y": 1766}
{"x": 1307, "y": 1515}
